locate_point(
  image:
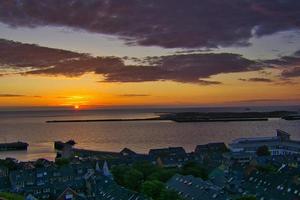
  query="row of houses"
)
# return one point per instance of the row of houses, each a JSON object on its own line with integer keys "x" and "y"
{"x": 235, "y": 183}
{"x": 241, "y": 150}
{"x": 78, "y": 180}
{"x": 266, "y": 179}
{"x": 231, "y": 169}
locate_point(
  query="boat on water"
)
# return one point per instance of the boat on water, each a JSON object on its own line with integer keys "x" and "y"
{"x": 14, "y": 146}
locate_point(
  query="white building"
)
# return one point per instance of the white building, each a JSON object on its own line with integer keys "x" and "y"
{"x": 281, "y": 144}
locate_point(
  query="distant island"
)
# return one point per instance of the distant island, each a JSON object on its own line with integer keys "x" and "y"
{"x": 203, "y": 117}
{"x": 226, "y": 116}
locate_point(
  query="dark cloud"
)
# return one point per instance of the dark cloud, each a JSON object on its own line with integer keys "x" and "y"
{"x": 195, "y": 67}
{"x": 256, "y": 79}
{"x": 297, "y": 53}
{"x": 167, "y": 23}
{"x": 11, "y": 95}
{"x": 17, "y": 95}
{"x": 294, "y": 72}
{"x": 30, "y": 55}
{"x": 190, "y": 51}
{"x": 34, "y": 59}
{"x": 186, "y": 68}
{"x": 290, "y": 65}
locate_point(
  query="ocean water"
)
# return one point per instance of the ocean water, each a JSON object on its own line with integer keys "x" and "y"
{"x": 140, "y": 136}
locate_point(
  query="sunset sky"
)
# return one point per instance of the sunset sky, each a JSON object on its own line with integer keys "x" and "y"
{"x": 108, "y": 53}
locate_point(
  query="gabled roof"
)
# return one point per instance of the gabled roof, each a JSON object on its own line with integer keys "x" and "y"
{"x": 69, "y": 191}
{"x": 127, "y": 152}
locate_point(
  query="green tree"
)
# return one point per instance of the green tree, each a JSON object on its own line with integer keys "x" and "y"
{"x": 152, "y": 189}
{"x": 11, "y": 196}
{"x": 263, "y": 151}
{"x": 267, "y": 168}
{"x": 163, "y": 175}
{"x": 9, "y": 164}
{"x": 62, "y": 161}
{"x": 192, "y": 168}
{"x": 146, "y": 168}
{"x": 119, "y": 172}
{"x": 133, "y": 179}
{"x": 249, "y": 197}
{"x": 169, "y": 195}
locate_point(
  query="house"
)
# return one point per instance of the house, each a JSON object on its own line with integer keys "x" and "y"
{"x": 128, "y": 153}
{"x": 190, "y": 187}
{"x": 106, "y": 171}
{"x": 67, "y": 151}
{"x": 171, "y": 161}
{"x": 272, "y": 185}
{"x": 281, "y": 144}
{"x": 211, "y": 147}
{"x": 30, "y": 197}
{"x": 219, "y": 176}
{"x": 3, "y": 171}
{"x": 4, "y": 184}
{"x": 49, "y": 182}
{"x": 103, "y": 188}
{"x": 170, "y": 151}
{"x": 238, "y": 157}
{"x": 230, "y": 179}
{"x": 69, "y": 194}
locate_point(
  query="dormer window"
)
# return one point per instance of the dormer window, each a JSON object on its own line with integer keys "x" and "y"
{"x": 69, "y": 197}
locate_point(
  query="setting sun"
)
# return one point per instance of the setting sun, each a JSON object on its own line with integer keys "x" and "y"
{"x": 76, "y": 107}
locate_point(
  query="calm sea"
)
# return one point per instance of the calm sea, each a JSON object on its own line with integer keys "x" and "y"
{"x": 30, "y": 126}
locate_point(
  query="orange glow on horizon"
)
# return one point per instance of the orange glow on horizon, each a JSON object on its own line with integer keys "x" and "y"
{"x": 87, "y": 93}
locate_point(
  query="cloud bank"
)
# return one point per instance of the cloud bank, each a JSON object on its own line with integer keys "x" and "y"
{"x": 187, "y": 68}
{"x": 167, "y": 23}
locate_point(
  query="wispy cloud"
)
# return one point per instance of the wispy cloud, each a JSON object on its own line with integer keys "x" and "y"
{"x": 256, "y": 79}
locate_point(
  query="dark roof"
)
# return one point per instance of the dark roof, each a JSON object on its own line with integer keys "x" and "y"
{"x": 272, "y": 185}
{"x": 70, "y": 191}
{"x": 175, "y": 151}
{"x": 215, "y": 146}
{"x": 127, "y": 152}
{"x": 105, "y": 188}
{"x": 189, "y": 187}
